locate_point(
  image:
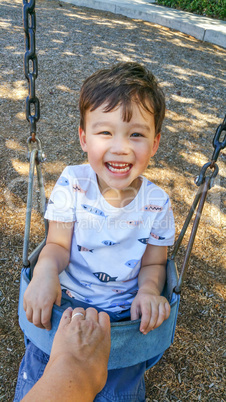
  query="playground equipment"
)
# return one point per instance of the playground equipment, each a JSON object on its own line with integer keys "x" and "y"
{"x": 125, "y": 336}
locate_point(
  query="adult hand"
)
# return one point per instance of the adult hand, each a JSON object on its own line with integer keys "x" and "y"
{"x": 77, "y": 368}
{"x": 84, "y": 337}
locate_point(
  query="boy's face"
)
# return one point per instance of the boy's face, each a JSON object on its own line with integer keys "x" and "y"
{"x": 119, "y": 151}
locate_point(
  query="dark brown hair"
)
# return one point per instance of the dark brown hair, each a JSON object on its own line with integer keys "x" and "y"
{"x": 121, "y": 85}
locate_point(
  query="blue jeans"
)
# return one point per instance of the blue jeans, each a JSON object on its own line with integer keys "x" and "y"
{"x": 122, "y": 385}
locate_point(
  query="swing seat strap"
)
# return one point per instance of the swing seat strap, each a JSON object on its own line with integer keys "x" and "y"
{"x": 128, "y": 345}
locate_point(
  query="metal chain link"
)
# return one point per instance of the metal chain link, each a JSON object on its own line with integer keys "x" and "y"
{"x": 204, "y": 183}
{"x": 31, "y": 65}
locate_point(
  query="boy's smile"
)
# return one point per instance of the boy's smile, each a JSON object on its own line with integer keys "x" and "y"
{"x": 119, "y": 151}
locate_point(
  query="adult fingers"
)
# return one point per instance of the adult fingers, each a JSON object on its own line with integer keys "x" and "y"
{"x": 104, "y": 321}
{"x": 66, "y": 317}
{"x": 92, "y": 314}
{"x": 78, "y": 314}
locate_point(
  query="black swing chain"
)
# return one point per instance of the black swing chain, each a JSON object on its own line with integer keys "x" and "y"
{"x": 31, "y": 73}
{"x": 218, "y": 146}
{"x": 205, "y": 183}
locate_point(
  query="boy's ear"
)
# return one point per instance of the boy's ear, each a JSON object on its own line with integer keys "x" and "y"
{"x": 156, "y": 144}
{"x": 82, "y": 138}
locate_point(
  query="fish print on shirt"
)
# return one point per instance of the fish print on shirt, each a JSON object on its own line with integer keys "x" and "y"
{"x": 131, "y": 263}
{"x": 88, "y": 300}
{"x": 103, "y": 277}
{"x": 81, "y": 248}
{"x": 152, "y": 208}
{"x": 50, "y": 202}
{"x": 123, "y": 304}
{"x": 93, "y": 210}
{"x": 149, "y": 183}
{"x": 109, "y": 243}
{"x": 63, "y": 181}
{"x": 119, "y": 291}
{"x": 144, "y": 240}
{"x": 76, "y": 187}
{"x": 157, "y": 237}
{"x": 87, "y": 285}
{"x": 134, "y": 223}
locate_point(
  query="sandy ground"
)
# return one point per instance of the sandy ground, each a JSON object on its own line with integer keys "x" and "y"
{"x": 72, "y": 43}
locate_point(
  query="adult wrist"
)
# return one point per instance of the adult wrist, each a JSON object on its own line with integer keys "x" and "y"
{"x": 74, "y": 373}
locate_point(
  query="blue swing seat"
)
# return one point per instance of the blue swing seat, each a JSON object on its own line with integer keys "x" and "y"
{"x": 128, "y": 345}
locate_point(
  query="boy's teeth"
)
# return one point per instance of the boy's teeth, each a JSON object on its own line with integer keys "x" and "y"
{"x": 116, "y": 167}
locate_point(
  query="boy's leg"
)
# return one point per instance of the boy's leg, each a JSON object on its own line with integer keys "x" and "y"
{"x": 125, "y": 384}
{"x": 31, "y": 369}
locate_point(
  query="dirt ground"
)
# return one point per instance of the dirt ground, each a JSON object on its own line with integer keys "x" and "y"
{"x": 72, "y": 42}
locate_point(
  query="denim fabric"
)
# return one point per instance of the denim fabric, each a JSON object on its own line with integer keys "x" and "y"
{"x": 31, "y": 369}
{"x": 122, "y": 384}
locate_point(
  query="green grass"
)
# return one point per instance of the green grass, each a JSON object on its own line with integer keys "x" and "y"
{"x": 208, "y": 8}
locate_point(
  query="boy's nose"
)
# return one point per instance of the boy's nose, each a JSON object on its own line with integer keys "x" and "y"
{"x": 120, "y": 146}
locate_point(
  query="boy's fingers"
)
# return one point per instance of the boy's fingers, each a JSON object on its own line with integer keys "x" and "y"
{"x": 135, "y": 312}
{"x": 145, "y": 318}
{"x": 36, "y": 319}
{"x": 154, "y": 317}
{"x": 29, "y": 313}
{"x": 24, "y": 305}
{"x": 58, "y": 299}
{"x": 161, "y": 315}
{"x": 45, "y": 317}
{"x": 168, "y": 309}
{"x": 164, "y": 313}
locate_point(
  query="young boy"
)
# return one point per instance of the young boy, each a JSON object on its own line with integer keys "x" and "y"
{"x": 109, "y": 227}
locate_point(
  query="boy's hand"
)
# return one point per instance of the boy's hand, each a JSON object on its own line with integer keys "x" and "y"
{"x": 153, "y": 310}
{"x": 39, "y": 297}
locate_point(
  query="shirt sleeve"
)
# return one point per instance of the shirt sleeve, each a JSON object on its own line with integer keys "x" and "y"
{"x": 163, "y": 229}
{"x": 61, "y": 206}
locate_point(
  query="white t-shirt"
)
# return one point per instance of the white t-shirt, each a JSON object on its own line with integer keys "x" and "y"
{"x": 108, "y": 243}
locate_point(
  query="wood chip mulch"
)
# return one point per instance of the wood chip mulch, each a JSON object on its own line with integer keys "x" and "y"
{"x": 72, "y": 42}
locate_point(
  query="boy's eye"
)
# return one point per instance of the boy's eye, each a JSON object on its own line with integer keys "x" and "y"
{"x": 136, "y": 135}
{"x": 105, "y": 133}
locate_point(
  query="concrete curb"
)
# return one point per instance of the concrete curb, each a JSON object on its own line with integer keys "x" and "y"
{"x": 202, "y": 28}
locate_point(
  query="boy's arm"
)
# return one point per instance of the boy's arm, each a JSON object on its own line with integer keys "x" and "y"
{"x": 44, "y": 289}
{"x": 148, "y": 303}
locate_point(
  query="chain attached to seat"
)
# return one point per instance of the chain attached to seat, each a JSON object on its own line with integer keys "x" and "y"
{"x": 31, "y": 65}
{"x": 204, "y": 183}
{"x": 35, "y": 153}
